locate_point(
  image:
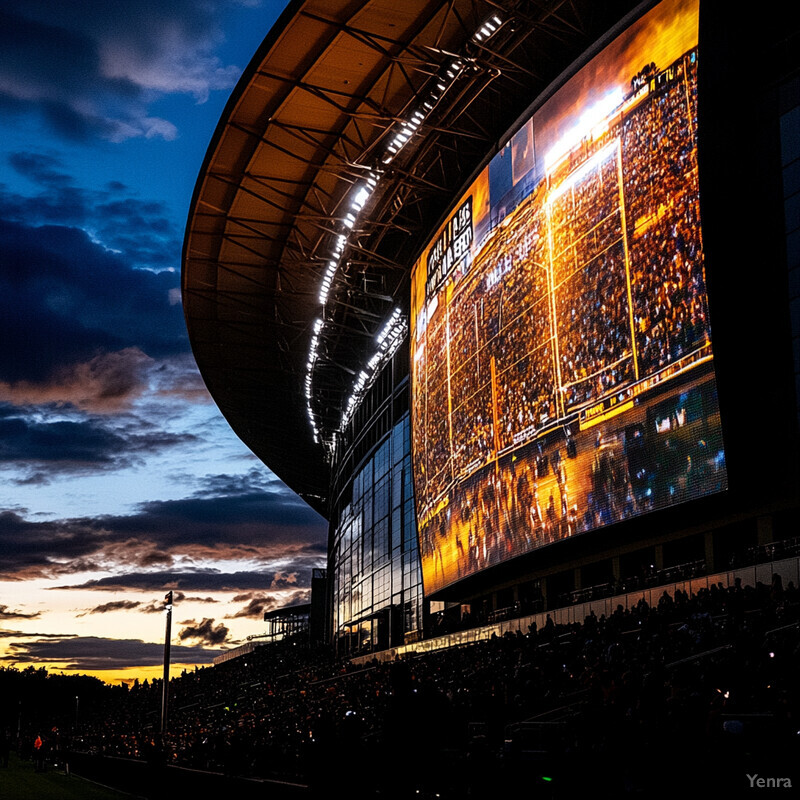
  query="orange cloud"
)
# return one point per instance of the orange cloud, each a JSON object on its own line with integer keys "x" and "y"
{"x": 107, "y": 383}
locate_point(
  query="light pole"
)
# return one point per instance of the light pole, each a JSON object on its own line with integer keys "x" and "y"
{"x": 165, "y": 687}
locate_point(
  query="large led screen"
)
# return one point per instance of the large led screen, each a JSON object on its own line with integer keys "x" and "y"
{"x": 562, "y": 368}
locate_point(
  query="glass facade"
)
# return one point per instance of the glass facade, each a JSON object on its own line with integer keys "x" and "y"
{"x": 377, "y": 585}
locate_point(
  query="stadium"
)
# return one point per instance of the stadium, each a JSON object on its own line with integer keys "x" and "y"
{"x": 557, "y": 355}
{"x": 509, "y": 292}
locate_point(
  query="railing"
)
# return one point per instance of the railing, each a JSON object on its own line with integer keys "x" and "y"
{"x": 788, "y": 569}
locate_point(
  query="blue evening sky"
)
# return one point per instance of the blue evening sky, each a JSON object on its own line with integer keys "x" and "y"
{"x": 119, "y": 479}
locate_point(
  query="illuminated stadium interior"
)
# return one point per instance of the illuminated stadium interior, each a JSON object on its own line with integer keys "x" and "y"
{"x": 461, "y": 241}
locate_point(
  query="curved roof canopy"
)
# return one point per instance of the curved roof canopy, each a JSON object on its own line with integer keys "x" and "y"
{"x": 284, "y": 294}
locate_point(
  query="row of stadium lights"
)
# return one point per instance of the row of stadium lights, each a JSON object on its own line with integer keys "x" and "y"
{"x": 392, "y": 334}
{"x": 389, "y": 339}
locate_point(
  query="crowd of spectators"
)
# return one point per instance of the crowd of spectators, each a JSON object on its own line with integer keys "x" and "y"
{"x": 573, "y": 248}
{"x": 668, "y": 285}
{"x": 590, "y": 287}
{"x": 708, "y": 678}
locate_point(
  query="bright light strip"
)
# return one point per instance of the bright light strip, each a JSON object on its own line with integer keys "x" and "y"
{"x": 361, "y": 197}
{"x": 388, "y": 340}
{"x": 393, "y": 332}
{"x": 405, "y": 128}
{"x": 488, "y": 28}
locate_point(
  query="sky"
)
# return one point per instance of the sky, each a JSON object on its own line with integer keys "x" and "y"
{"x": 119, "y": 478}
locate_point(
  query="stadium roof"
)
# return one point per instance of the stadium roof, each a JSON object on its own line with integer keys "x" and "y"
{"x": 344, "y": 142}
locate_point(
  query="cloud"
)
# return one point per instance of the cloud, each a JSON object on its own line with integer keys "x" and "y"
{"x": 177, "y": 378}
{"x": 260, "y": 603}
{"x": 5, "y": 634}
{"x": 81, "y": 327}
{"x": 92, "y": 69}
{"x": 108, "y": 382}
{"x": 180, "y": 597}
{"x": 142, "y": 231}
{"x": 98, "y": 653}
{"x": 256, "y": 607}
{"x": 62, "y": 441}
{"x": 36, "y": 549}
{"x": 114, "y": 605}
{"x": 43, "y": 442}
{"x": 283, "y": 580}
{"x": 169, "y": 544}
{"x": 6, "y": 613}
{"x": 157, "y": 606}
{"x": 205, "y": 632}
{"x": 70, "y": 310}
{"x": 255, "y": 480}
{"x": 174, "y": 69}
{"x": 41, "y": 168}
{"x": 204, "y": 580}
{"x": 250, "y": 520}
{"x": 153, "y": 607}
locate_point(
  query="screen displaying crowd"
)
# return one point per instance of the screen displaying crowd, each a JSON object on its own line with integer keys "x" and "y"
{"x": 562, "y": 371}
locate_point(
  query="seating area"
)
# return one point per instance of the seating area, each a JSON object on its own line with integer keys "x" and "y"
{"x": 700, "y": 677}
